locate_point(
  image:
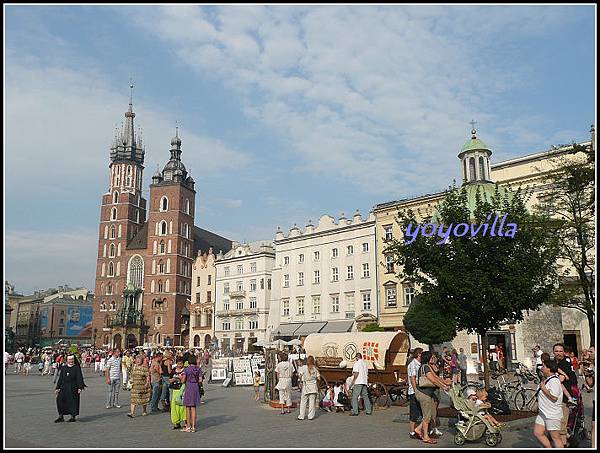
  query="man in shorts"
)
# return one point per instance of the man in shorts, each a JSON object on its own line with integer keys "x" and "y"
{"x": 414, "y": 409}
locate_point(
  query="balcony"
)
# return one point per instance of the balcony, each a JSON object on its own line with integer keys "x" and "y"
{"x": 237, "y": 294}
{"x": 238, "y": 312}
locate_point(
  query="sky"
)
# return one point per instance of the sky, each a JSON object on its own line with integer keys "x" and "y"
{"x": 286, "y": 113}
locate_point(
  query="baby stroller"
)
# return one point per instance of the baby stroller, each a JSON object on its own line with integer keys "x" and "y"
{"x": 575, "y": 426}
{"x": 471, "y": 426}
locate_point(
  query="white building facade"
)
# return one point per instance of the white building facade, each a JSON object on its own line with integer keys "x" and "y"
{"x": 325, "y": 277}
{"x": 202, "y": 305}
{"x": 243, "y": 294}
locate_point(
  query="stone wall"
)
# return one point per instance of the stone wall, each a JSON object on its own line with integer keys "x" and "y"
{"x": 543, "y": 327}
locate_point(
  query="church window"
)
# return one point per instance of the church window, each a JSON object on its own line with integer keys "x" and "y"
{"x": 472, "y": 176}
{"x": 113, "y": 306}
{"x": 481, "y": 168}
{"x": 118, "y": 268}
{"x": 152, "y": 286}
{"x": 111, "y": 269}
{"x": 168, "y": 265}
{"x": 104, "y": 251}
{"x": 162, "y": 247}
{"x": 112, "y": 232}
{"x": 119, "y": 231}
{"x": 115, "y": 197}
{"x": 465, "y": 173}
{"x": 160, "y": 286}
{"x": 163, "y": 228}
{"x": 161, "y": 267}
{"x": 109, "y": 289}
{"x": 103, "y": 269}
{"x": 136, "y": 271}
{"x": 169, "y": 246}
{"x": 106, "y": 232}
{"x": 164, "y": 204}
{"x": 113, "y": 214}
{"x": 167, "y": 286}
{"x": 154, "y": 248}
{"x": 187, "y": 206}
{"x": 111, "y": 252}
{"x": 103, "y": 306}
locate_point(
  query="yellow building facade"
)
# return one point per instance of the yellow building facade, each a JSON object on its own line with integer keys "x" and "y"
{"x": 527, "y": 172}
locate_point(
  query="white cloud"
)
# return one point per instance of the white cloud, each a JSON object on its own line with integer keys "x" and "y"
{"x": 361, "y": 94}
{"x": 48, "y": 259}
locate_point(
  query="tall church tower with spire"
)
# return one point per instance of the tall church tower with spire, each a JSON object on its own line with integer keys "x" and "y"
{"x": 122, "y": 215}
{"x": 171, "y": 240}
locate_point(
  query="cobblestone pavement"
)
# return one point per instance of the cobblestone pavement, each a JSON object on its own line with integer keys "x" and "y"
{"x": 229, "y": 418}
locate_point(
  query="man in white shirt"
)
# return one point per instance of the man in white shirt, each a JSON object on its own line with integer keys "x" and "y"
{"x": 550, "y": 406}
{"x": 113, "y": 379}
{"x": 360, "y": 380}
{"x": 19, "y": 357}
{"x": 462, "y": 365}
{"x": 414, "y": 408}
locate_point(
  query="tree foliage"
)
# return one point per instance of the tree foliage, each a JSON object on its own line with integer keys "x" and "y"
{"x": 429, "y": 323}
{"x": 569, "y": 200}
{"x": 373, "y": 327}
{"x": 480, "y": 281}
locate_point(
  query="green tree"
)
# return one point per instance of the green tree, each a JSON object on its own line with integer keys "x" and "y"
{"x": 480, "y": 281}
{"x": 570, "y": 202}
{"x": 373, "y": 327}
{"x": 429, "y": 323}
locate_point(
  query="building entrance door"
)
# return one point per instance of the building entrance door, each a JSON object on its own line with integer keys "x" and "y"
{"x": 131, "y": 341}
{"x": 499, "y": 343}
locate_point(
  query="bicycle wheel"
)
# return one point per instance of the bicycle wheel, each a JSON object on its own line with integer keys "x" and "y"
{"x": 520, "y": 400}
{"x": 532, "y": 401}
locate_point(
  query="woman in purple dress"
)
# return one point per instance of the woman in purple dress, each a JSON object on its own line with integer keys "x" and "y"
{"x": 192, "y": 376}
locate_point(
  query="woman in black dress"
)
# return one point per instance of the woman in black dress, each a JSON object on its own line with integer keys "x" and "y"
{"x": 69, "y": 386}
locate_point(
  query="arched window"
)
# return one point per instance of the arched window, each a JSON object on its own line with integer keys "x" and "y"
{"x": 119, "y": 249}
{"x": 111, "y": 252}
{"x": 118, "y": 268}
{"x": 115, "y": 197}
{"x": 472, "y": 175}
{"x": 113, "y": 305}
{"x": 167, "y": 286}
{"x": 104, "y": 251}
{"x": 152, "y": 286}
{"x": 103, "y": 269}
{"x": 168, "y": 265}
{"x": 187, "y": 206}
{"x": 157, "y": 341}
{"x": 109, "y": 289}
{"x": 161, "y": 267}
{"x": 106, "y": 232}
{"x": 164, "y": 204}
{"x": 481, "y": 168}
{"x": 136, "y": 271}
{"x": 112, "y": 232}
{"x": 465, "y": 173}
{"x": 162, "y": 247}
{"x": 103, "y": 306}
{"x": 159, "y": 287}
{"x": 111, "y": 269}
{"x": 119, "y": 230}
{"x": 113, "y": 214}
{"x": 129, "y": 175}
{"x": 163, "y": 228}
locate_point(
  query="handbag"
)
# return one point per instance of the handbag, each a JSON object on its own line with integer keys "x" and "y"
{"x": 424, "y": 381}
{"x": 179, "y": 398}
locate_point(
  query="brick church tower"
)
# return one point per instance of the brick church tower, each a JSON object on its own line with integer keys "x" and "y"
{"x": 122, "y": 214}
{"x": 170, "y": 252}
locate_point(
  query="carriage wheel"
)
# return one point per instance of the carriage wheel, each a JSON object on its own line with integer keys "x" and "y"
{"x": 380, "y": 396}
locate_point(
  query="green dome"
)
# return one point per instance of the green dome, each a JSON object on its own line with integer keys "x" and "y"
{"x": 486, "y": 191}
{"x": 473, "y": 144}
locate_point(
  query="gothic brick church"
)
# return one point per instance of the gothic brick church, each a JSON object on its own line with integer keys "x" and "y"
{"x": 146, "y": 249}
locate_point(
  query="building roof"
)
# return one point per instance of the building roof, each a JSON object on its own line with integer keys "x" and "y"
{"x": 204, "y": 239}
{"x": 473, "y": 144}
{"x": 140, "y": 240}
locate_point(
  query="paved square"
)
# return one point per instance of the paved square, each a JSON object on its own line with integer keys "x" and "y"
{"x": 230, "y": 418}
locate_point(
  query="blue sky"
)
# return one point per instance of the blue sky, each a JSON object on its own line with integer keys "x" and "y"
{"x": 286, "y": 112}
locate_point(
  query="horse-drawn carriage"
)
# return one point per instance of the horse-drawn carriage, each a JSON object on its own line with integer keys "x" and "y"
{"x": 386, "y": 354}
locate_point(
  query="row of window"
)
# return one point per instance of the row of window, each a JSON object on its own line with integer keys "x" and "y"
{"x": 110, "y": 233}
{"x": 334, "y": 254}
{"x": 335, "y": 275}
{"x": 208, "y": 281}
{"x": 334, "y": 305}
{"x": 112, "y": 250}
{"x": 390, "y": 299}
{"x": 240, "y": 269}
{"x": 127, "y": 177}
{"x": 115, "y": 198}
{"x": 239, "y": 304}
{"x": 111, "y": 270}
{"x": 159, "y": 287}
{"x": 239, "y": 325}
{"x": 111, "y": 307}
{"x": 240, "y": 285}
{"x": 208, "y": 297}
{"x": 113, "y": 216}
{"x": 163, "y": 205}
{"x": 162, "y": 247}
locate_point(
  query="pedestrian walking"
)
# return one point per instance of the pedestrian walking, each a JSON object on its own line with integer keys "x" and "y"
{"x": 454, "y": 366}
{"x": 256, "y": 385}
{"x": 428, "y": 382}
{"x": 126, "y": 363}
{"x": 192, "y": 377}
{"x": 97, "y": 363}
{"x": 283, "y": 370}
{"x": 140, "y": 386}
{"x": 570, "y": 388}
{"x": 113, "y": 380}
{"x": 414, "y": 409}
{"x": 166, "y": 373}
{"x": 309, "y": 376}
{"x": 19, "y": 357}
{"x": 68, "y": 389}
{"x": 462, "y": 364}
{"x": 550, "y": 406}
{"x": 156, "y": 381}
{"x": 178, "y": 413}
{"x": 360, "y": 381}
